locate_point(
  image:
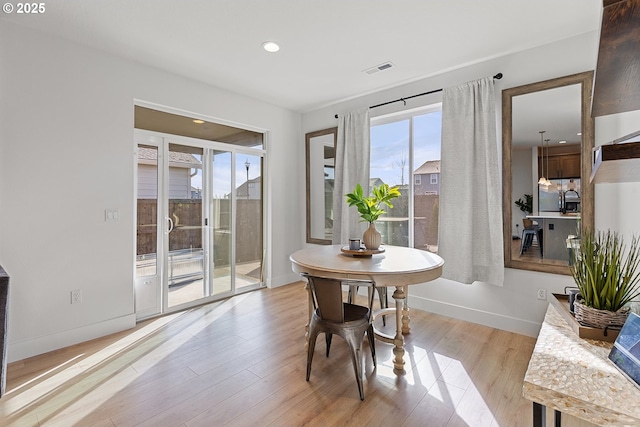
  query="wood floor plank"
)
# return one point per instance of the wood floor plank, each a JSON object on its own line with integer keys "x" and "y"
{"x": 247, "y": 398}
{"x": 437, "y": 406}
{"x": 241, "y": 362}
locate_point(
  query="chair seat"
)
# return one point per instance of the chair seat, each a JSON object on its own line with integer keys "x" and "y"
{"x": 382, "y": 294}
{"x": 354, "y": 313}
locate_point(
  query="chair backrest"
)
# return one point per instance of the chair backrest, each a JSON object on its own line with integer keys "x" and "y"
{"x": 327, "y": 296}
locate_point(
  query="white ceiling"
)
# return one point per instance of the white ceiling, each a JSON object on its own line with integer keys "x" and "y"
{"x": 325, "y": 44}
{"x": 556, "y": 111}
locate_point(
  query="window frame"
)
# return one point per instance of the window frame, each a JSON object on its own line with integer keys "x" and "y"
{"x": 409, "y": 114}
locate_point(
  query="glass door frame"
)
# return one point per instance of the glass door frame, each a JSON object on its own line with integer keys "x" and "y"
{"x": 148, "y": 288}
{"x": 162, "y": 142}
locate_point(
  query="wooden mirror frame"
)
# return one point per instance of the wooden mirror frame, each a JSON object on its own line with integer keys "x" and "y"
{"x": 585, "y": 79}
{"x": 308, "y": 137}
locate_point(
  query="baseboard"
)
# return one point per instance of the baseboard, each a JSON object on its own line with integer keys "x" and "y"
{"x": 486, "y": 318}
{"x": 287, "y": 279}
{"x": 32, "y": 347}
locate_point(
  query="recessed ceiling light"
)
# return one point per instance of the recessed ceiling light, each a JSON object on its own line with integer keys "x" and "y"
{"x": 198, "y": 121}
{"x": 562, "y": 142}
{"x": 270, "y": 46}
{"x": 579, "y": 133}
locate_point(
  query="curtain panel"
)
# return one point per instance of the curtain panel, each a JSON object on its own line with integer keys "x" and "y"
{"x": 470, "y": 230}
{"x": 352, "y": 167}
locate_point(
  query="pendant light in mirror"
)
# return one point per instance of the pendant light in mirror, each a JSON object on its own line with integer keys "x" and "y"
{"x": 543, "y": 182}
{"x": 550, "y": 186}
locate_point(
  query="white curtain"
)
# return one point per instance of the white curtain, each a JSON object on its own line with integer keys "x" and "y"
{"x": 352, "y": 167}
{"x": 470, "y": 229}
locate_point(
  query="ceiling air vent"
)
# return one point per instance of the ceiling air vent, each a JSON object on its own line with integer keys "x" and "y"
{"x": 377, "y": 68}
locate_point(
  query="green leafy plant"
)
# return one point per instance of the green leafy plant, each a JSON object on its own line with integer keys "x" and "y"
{"x": 605, "y": 271}
{"x": 370, "y": 208}
{"x": 525, "y": 205}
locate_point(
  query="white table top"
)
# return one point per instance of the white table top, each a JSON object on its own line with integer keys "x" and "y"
{"x": 397, "y": 266}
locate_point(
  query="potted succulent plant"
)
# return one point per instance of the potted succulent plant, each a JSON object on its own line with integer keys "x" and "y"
{"x": 370, "y": 209}
{"x": 608, "y": 276}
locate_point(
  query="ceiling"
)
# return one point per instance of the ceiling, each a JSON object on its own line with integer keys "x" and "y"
{"x": 556, "y": 111}
{"x": 160, "y": 121}
{"x": 325, "y": 44}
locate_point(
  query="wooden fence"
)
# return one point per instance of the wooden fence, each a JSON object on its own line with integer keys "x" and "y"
{"x": 187, "y": 232}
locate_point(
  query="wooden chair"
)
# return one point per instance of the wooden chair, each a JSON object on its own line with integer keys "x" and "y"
{"x": 333, "y": 316}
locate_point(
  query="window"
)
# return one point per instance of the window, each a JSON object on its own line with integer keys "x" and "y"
{"x": 403, "y": 148}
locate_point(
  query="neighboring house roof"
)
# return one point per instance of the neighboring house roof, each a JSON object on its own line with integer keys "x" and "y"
{"x": 150, "y": 156}
{"x": 242, "y": 188}
{"x": 430, "y": 166}
{"x": 374, "y": 182}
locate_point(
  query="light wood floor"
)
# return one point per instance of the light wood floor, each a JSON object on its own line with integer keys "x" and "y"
{"x": 241, "y": 362}
{"x": 532, "y": 255}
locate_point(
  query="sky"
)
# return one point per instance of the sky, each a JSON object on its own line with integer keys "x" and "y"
{"x": 222, "y": 174}
{"x": 390, "y": 146}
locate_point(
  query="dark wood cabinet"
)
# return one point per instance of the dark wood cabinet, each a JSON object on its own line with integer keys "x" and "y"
{"x": 559, "y": 166}
{"x": 569, "y": 166}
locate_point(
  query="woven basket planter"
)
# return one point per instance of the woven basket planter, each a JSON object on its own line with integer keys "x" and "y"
{"x": 589, "y": 316}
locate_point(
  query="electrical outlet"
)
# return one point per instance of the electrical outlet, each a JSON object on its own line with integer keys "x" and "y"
{"x": 112, "y": 214}
{"x": 76, "y": 296}
{"x": 542, "y": 294}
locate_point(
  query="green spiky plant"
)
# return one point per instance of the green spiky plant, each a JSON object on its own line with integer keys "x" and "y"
{"x": 370, "y": 208}
{"x": 606, "y": 273}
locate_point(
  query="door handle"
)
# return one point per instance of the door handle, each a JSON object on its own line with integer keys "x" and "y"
{"x": 170, "y": 229}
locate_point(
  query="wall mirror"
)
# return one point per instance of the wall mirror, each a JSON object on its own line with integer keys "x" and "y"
{"x": 547, "y": 142}
{"x": 320, "y": 159}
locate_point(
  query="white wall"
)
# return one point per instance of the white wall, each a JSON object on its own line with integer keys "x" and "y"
{"x": 623, "y": 197}
{"x": 513, "y": 307}
{"x": 66, "y": 155}
{"x": 521, "y": 176}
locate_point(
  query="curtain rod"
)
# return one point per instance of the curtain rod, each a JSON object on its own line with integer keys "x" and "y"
{"x": 497, "y": 77}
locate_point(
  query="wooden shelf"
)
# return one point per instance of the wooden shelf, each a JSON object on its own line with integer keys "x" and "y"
{"x": 618, "y": 161}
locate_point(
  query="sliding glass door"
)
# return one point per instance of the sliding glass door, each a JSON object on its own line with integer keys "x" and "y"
{"x": 221, "y": 225}
{"x": 207, "y": 199}
{"x": 248, "y": 239}
{"x": 185, "y": 216}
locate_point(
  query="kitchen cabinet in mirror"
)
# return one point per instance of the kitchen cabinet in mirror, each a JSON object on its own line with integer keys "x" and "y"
{"x": 320, "y": 161}
{"x": 547, "y": 142}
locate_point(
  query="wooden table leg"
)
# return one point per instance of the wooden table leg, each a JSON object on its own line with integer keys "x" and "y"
{"x": 310, "y": 311}
{"x": 405, "y": 312}
{"x": 398, "y": 341}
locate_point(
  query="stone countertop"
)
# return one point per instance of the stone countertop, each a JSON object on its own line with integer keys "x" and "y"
{"x": 574, "y": 376}
{"x": 554, "y": 215}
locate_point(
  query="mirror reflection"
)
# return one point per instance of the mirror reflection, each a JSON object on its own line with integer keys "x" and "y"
{"x": 320, "y": 158}
{"x": 545, "y": 155}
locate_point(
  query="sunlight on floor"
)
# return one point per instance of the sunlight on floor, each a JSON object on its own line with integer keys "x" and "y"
{"x": 446, "y": 380}
{"x": 63, "y": 388}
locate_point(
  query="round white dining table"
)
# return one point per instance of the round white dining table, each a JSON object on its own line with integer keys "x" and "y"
{"x": 395, "y": 267}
